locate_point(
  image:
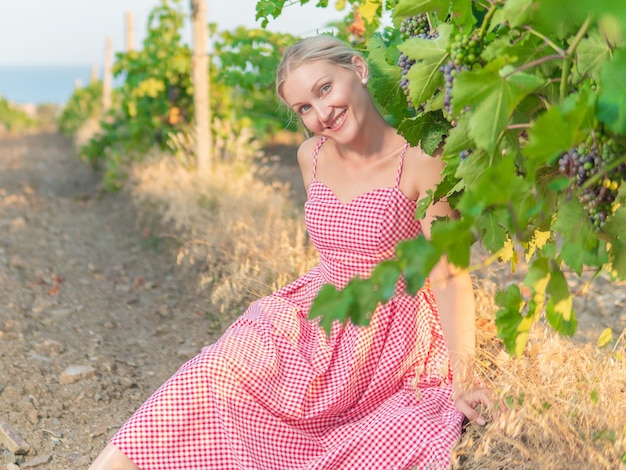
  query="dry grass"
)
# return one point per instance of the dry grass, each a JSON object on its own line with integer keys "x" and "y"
{"x": 560, "y": 406}
{"x": 244, "y": 237}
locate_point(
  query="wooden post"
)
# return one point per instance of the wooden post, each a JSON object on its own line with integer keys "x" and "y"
{"x": 107, "y": 79}
{"x": 130, "y": 32}
{"x": 95, "y": 74}
{"x": 200, "y": 77}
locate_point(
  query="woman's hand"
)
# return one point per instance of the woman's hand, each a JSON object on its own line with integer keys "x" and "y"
{"x": 467, "y": 400}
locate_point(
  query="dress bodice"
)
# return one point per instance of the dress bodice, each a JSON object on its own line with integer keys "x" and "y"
{"x": 353, "y": 237}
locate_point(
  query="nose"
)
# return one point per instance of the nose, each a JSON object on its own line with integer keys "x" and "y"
{"x": 324, "y": 112}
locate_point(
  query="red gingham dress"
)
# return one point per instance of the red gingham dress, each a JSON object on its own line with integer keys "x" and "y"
{"x": 275, "y": 393}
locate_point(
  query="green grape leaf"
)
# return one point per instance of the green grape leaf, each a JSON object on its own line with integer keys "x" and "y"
{"x": 461, "y": 12}
{"x": 493, "y": 184}
{"x": 561, "y": 316}
{"x": 365, "y": 300}
{"x": 581, "y": 245}
{"x": 615, "y": 226}
{"x": 329, "y": 305}
{"x": 561, "y": 18}
{"x": 612, "y": 95}
{"x": 423, "y": 204}
{"x": 560, "y": 128}
{"x": 591, "y": 53}
{"x": 406, "y": 8}
{"x": 425, "y": 130}
{"x": 385, "y": 277}
{"x": 267, "y": 8}
{"x": 559, "y": 310}
{"x": 417, "y": 258}
{"x": 514, "y": 13}
{"x": 385, "y": 77}
{"x": 557, "y": 286}
{"x": 512, "y": 327}
{"x": 458, "y": 139}
{"x": 492, "y": 233}
{"x": 454, "y": 238}
{"x": 494, "y": 96}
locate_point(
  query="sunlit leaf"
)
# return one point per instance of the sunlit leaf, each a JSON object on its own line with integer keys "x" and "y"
{"x": 605, "y": 338}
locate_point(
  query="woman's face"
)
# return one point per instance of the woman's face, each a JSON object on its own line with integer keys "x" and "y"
{"x": 330, "y": 99}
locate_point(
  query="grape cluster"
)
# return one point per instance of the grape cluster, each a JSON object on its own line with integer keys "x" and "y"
{"x": 463, "y": 154}
{"x": 413, "y": 26}
{"x": 592, "y": 159}
{"x": 465, "y": 53}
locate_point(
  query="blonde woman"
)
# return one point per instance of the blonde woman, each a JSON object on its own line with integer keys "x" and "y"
{"x": 275, "y": 392}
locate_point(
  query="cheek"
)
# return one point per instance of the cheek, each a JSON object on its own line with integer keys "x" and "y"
{"x": 310, "y": 121}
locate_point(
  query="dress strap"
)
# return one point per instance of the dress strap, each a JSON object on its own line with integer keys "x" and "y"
{"x": 399, "y": 175}
{"x": 316, "y": 152}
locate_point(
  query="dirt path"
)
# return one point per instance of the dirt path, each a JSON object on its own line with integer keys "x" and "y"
{"x": 93, "y": 316}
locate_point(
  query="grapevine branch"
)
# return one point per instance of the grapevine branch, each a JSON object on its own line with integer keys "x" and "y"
{"x": 547, "y": 40}
{"x": 483, "y": 28}
{"x": 533, "y": 63}
{"x": 567, "y": 60}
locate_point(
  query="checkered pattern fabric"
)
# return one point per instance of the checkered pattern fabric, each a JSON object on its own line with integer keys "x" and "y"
{"x": 275, "y": 393}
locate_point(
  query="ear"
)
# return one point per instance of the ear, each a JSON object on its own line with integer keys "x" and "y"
{"x": 360, "y": 66}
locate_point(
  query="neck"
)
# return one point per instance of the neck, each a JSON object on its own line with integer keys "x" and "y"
{"x": 377, "y": 139}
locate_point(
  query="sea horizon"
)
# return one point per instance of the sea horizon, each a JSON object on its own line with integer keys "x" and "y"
{"x": 42, "y": 83}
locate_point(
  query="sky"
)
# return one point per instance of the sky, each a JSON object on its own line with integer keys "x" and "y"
{"x": 68, "y": 32}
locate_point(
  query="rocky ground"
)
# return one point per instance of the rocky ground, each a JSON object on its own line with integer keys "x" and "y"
{"x": 94, "y": 314}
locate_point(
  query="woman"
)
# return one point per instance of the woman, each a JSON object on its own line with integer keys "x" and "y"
{"x": 274, "y": 392}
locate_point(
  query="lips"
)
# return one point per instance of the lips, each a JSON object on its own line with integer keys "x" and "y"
{"x": 337, "y": 122}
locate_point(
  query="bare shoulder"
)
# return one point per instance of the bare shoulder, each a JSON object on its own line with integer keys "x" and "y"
{"x": 421, "y": 171}
{"x": 305, "y": 158}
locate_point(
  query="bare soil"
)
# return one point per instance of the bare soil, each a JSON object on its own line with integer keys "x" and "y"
{"x": 94, "y": 312}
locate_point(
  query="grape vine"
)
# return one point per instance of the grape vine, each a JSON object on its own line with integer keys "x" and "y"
{"x": 504, "y": 81}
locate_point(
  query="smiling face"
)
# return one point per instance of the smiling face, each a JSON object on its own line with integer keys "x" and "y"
{"x": 330, "y": 99}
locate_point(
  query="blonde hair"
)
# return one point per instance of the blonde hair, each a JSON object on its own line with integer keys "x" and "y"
{"x": 311, "y": 49}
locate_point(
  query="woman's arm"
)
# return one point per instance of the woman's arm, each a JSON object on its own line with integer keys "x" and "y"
{"x": 454, "y": 294}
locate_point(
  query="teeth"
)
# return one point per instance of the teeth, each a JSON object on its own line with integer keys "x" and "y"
{"x": 337, "y": 121}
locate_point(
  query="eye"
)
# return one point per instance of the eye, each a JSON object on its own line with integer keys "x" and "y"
{"x": 304, "y": 108}
{"x": 325, "y": 89}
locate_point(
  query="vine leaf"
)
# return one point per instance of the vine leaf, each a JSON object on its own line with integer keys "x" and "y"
{"x": 330, "y": 304}
{"x": 458, "y": 139}
{"x": 559, "y": 311}
{"x": 385, "y": 77}
{"x": 616, "y": 227}
{"x": 424, "y": 130}
{"x": 559, "y": 129}
{"x": 417, "y": 258}
{"x": 612, "y": 96}
{"x": 493, "y": 234}
{"x": 495, "y": 96}
{"x": 581, "y": 245}
{"x": 514, "y": 13}
{"x": 513, "y": 328}
{"x": 592, "y": 52}
{"x": 406, "y": 8}
{"x": 455, "y": 238}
